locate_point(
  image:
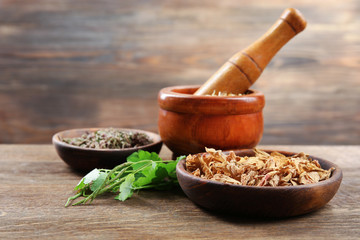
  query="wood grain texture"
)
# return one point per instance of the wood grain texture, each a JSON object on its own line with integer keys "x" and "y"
{"x": 99, "y": 63}
{"x": 35, "y": 184}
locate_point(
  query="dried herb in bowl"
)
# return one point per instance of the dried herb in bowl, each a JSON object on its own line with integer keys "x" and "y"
{"x": 109, "y": 138}
{"x": 263, "y": 169}
{"x": 225, "y": 94}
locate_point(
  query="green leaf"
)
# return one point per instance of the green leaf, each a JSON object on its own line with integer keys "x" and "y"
{"x": 136, "y": 166}
{"x": 155, "y": 157}
{"x": 171, "y": 168}
{"x": 161, "y": 172}
{"x": 80, "y": 185}
{"x": 143, "y": 155}
{"x": 87, "y": 179}
{"x": 145, "y": 176}
{"x": 165, "y": 177}
{"x": 126, "y": 189}
{"x": 139, "y": 175}
{"x": 136, "y": 156}
{"x": 91, "y": 176}
{"x": 98, "y": 182}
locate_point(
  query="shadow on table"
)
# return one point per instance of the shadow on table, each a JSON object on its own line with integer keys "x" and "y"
{"x": 250, "y": 219}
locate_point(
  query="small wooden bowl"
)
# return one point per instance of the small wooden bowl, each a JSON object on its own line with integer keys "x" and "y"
{"x": 189, "y": 123}
{"x": 85, "y": 159}
{"x": 260, "y": 201}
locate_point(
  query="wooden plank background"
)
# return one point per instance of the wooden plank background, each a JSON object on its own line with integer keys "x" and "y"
{"x": 67, "y": 64}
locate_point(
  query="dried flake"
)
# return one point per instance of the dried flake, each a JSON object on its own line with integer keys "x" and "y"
{"x": 263, "y": 169}
{"x": 221, "y": 94}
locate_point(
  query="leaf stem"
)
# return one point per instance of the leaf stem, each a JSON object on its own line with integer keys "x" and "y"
{"x": 123, "y": 168}
{"x": 70, "y": 199}
{"x": 106, "y": 187}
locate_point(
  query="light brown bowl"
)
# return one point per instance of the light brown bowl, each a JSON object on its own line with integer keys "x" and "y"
{"x": 189, "y": 123}
{"x": 260, "y": 201}
{"x": 85, "y": 159}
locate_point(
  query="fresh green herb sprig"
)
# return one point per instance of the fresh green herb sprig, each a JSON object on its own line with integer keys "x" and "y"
{"x": 142, "y": 170}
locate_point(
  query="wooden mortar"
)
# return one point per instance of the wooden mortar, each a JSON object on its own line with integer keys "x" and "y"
{"x": 244, "y": 68}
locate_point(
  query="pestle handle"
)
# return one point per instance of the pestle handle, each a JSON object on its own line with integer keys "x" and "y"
{"x": 245, "y": 67}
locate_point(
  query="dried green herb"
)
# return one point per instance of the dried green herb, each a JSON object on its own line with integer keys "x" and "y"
{"x": 110, "y": 138}
{"x": 142, "y": 170}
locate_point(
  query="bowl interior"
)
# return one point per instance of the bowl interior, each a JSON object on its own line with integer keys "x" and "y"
{"x": 72, "y": 133}
{"x": 335, "y": 175}
{"x": 192, "y": 89}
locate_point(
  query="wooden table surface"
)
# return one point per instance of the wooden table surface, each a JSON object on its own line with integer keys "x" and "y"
{"x": 101, "y": 63}
{"x": 35, "y": 184}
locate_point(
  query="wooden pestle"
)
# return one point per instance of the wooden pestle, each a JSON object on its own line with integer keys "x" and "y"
{"x": 244, "y": 68}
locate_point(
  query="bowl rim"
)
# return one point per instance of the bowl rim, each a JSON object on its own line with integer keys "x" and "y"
{"x": 154, "y": 136}
{"x": 336, "y": 175}
{"x": 170, "y": 91}
{"x": 170, "y": 100}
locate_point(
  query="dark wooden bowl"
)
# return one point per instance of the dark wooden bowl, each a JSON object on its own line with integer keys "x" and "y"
{"x": 189, "y": 123}
{"x": 260, "y": 201}
{"x": 85, "y": 159}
